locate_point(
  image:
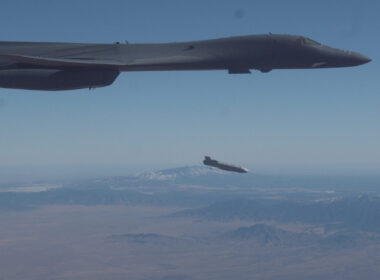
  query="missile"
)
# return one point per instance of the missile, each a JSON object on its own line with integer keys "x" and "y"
{"x": 223, "y": 166}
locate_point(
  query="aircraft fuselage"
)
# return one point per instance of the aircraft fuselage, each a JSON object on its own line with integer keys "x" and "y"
{"x": 51, "y": 66}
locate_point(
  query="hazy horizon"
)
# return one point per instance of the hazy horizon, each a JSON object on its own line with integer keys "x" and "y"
{"x": 74, "y": 172}
{"x": 191, "y": 223}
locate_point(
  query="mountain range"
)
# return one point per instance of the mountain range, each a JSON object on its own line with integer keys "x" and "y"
{"x": 210, "y": 177}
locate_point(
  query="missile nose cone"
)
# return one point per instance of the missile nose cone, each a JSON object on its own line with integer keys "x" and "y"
{"x": 360, "y": 58}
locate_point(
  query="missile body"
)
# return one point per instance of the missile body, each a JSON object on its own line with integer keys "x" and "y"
{"x": 223, "y": 166}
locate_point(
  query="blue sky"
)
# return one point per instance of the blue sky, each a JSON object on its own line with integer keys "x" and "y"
{"x": 289, "y": 121}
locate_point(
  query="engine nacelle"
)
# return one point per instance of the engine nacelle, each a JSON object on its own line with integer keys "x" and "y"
{"x": 56, "y": 79}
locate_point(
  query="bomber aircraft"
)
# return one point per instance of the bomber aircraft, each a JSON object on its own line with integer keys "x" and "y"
{"x": 67, "y": 66}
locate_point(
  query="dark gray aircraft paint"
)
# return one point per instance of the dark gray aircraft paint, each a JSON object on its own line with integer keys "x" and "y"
{"x": 224, "y": 166}
{"x": 64, "y": 66}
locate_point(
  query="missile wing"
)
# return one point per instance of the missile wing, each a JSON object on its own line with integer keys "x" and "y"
{"x": 223, "y": 166}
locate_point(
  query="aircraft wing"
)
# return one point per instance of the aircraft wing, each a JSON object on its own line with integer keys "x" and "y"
{"x": 59, "y": 62}
{"x": 97, "y": 63}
